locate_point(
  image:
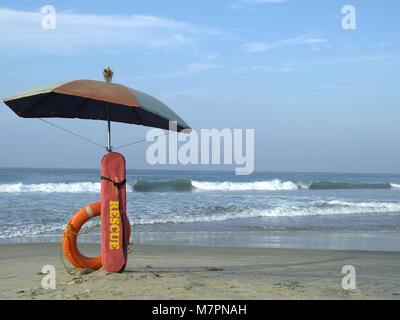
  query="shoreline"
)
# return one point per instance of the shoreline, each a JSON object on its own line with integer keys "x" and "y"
{"x": 385, "y": 241}
{"x": 195, "y": 272}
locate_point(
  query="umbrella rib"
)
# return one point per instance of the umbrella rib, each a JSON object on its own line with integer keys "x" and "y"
{"x": 145, "y": 139}
{"x": 73, "y": 133}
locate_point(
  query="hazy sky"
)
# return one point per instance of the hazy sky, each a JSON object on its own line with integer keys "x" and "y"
{"x": 320, "y": 98}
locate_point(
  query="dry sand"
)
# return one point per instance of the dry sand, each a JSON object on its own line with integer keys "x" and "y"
{"x": 188, "y": 272}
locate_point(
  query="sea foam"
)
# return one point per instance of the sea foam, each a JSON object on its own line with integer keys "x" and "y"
{"x": 73, "y": 187}
{"x": 275, "y": 184}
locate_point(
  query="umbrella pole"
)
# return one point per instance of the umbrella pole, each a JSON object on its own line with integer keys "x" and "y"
{"x": 109, "y": 130}
{"x": 108, "y": 74}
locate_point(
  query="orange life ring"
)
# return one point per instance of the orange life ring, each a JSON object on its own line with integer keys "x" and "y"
{"x": 70, "y": 246}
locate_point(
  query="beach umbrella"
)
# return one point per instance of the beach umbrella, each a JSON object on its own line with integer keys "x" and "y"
{"x": 97, "y": 100}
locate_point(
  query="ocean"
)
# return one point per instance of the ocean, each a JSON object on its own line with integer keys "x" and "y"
{"x": 212, "y": 208}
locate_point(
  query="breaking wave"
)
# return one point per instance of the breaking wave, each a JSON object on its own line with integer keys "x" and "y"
{"x": 73, "y": 187}
{"x": 193, "y": 185}
{"x": 232, "y": 212}
{"x": 243, "y": 186}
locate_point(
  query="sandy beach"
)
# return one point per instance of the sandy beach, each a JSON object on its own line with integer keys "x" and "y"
{"x": 189, "y": 272}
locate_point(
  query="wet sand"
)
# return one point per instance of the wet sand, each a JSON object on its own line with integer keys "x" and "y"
{"x": 191, "y": 272}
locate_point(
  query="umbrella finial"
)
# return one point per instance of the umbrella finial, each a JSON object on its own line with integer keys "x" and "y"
{"x": 108, "y": 74}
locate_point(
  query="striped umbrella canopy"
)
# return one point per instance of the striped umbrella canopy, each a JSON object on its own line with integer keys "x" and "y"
{"x": 89, "y": 99}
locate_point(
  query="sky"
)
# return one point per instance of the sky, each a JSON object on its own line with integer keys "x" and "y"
{"x": 319, "y": 97}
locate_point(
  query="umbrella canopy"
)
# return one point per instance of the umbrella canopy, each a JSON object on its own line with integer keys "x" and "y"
{"x": 89, "y": 99}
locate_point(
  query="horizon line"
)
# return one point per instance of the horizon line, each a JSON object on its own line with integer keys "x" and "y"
{"x": 212, "y": 170}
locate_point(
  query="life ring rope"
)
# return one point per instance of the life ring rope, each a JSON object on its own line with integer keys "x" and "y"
{"x": 68, "y": 229}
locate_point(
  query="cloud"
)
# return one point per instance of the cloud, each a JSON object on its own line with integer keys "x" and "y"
{"x": 212, "y": 56}
{"x": 191, "y": 69}
{"x": 249, "y": 4}
{"x": 261, "y": 68}
{"x": 356, "y": 59}
{"x": 254, "y": 47}
{"x": 22, "y": 31}
{"x": 257, "y": 47}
